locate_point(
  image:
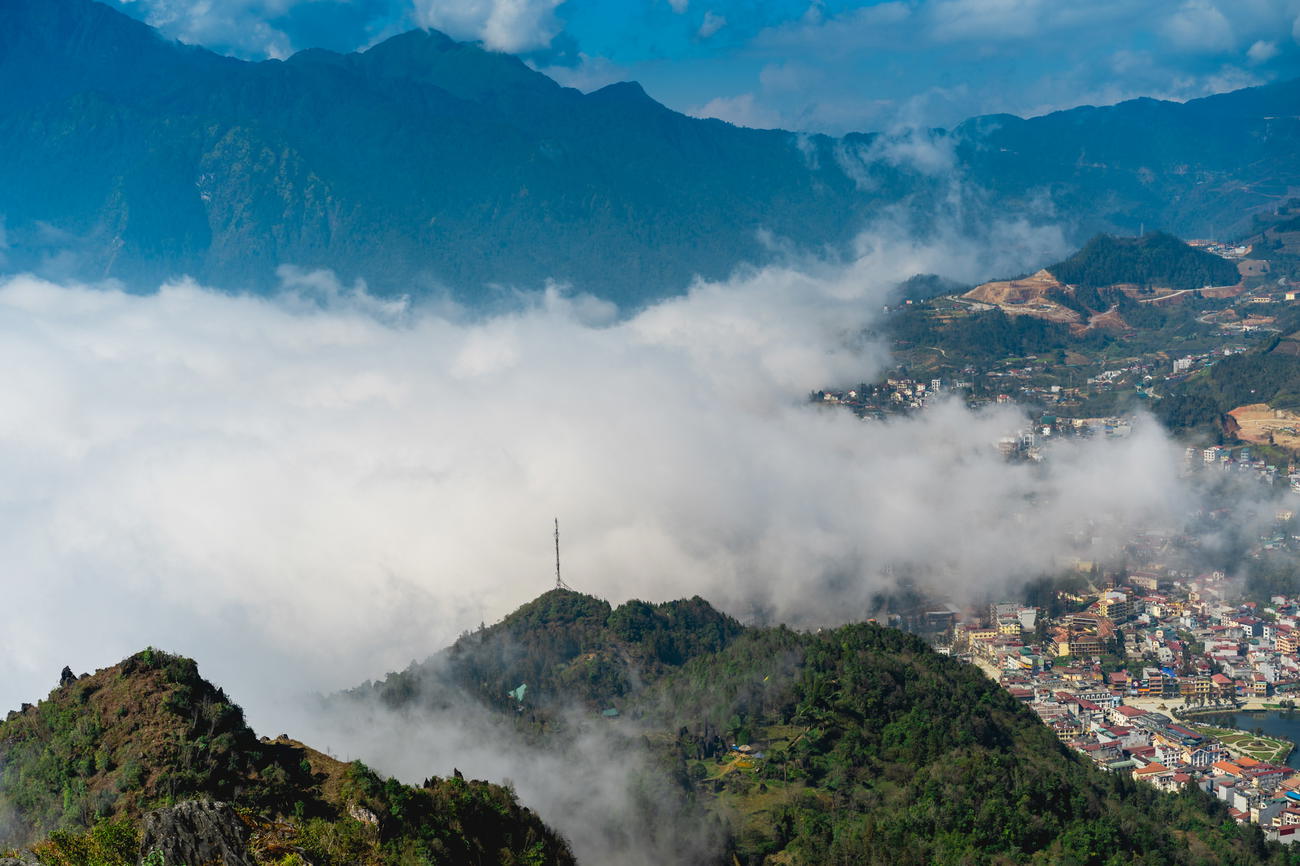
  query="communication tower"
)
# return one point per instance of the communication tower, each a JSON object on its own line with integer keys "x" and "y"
{"x": 559, "y": 581}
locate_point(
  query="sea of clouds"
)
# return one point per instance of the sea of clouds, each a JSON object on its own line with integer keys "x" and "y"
{"x": 308, "y": 490}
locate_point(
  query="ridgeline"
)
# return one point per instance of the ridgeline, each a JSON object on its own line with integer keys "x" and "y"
{"x": 852, "y": 745}
{"x": 95, "y": 775}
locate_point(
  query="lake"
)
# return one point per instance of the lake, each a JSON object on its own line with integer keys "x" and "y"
{"x": 1274, "y": 723}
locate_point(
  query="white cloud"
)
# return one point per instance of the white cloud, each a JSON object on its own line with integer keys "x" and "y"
{"x": 710, "y": 25}
{"x": 741, "y": 110}
{"x": 791, "y": 76}
{"x": 241, "y": 24}
{"x": 985, "y": 19}
{"x": 502, "y": 25}
{"x": 845, "y": 34}
{"x": 1198, "y": 25}
{"x": 1261, "y": 51}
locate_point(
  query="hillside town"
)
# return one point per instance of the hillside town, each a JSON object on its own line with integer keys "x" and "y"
{"x": 1132, "y": 673}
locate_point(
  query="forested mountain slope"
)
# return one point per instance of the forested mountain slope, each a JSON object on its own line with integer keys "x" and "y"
{"x": 425, "y": 163}
{"x": 1153, "y": 260}
{"x": 862, "y": 746}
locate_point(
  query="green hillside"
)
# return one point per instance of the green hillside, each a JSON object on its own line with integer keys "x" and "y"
{"x": 1153, "y": 260}
{"x": 878, "y": 750}
{"x": 1270, "y": 375}
{"x": 866, "y": 747}
{"x": 564, "y": 647}
{"x": 103, "y": 751}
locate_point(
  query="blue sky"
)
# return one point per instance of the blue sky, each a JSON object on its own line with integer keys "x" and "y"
{"x": 818, "y": 65}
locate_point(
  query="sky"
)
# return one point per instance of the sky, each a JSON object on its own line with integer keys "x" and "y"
{"x": 813, "y": 65}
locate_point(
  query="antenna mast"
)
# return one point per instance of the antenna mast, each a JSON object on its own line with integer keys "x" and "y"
{"x": 559, "y": 582}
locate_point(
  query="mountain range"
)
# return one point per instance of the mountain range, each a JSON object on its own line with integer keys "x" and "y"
{"x": 424, "y": 164}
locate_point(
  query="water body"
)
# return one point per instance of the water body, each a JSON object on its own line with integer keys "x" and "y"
{"x": 1274, "y": 723}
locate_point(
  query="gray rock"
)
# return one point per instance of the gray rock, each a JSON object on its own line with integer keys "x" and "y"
{"x": 196, "y": 833}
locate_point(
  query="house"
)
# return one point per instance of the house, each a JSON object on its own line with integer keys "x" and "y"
{"x": 1172, "y": 783}
{"x": 1151, "y": 772}
{"x": 1196, "y": 687}
{"x": 1204, "y": 756}
{"x": 1067, "y": 729}
{"x": 1126, "y": 715}
{"x": 1266, "y": 810}
{"x": 1101, "y": 753}
{"x": 1223, "y": 787}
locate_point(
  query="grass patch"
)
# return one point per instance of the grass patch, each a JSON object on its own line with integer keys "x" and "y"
{"x": 1268, "y": 749}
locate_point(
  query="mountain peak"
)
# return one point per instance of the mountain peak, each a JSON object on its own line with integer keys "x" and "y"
{"x": 150, "y": 732}
{"x": 623, "y": 91}
{"x": 461, "y": 68}
{"x": 420, "y": 39}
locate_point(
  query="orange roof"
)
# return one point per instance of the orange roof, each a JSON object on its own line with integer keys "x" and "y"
{"x": 1151, "y": 770}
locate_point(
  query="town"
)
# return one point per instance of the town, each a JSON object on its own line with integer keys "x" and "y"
{"x": 1132, "y": 673}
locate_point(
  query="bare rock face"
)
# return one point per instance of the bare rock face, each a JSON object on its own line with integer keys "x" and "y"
{"x": 196, "y": 833}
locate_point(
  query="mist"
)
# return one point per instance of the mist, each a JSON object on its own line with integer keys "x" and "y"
{"x": 597, "y": 784}
{"x": 309, "y": 490}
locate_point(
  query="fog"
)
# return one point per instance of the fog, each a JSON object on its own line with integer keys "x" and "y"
{"x": 309, "y": 490}
{"x": 596, "y": 784}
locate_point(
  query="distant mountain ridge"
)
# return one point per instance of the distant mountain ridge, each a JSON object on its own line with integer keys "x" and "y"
{"x": 425, "y": 163}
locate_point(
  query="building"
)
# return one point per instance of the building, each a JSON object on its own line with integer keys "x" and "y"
{"x": 1114, "y": 606}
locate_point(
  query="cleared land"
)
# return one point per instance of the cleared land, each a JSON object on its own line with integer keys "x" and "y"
{"x": 1261, "y": 424}
{"x": 1026, "y": 297}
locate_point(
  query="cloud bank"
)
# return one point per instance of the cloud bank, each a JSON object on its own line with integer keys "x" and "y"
{"x": 308, "y": 491}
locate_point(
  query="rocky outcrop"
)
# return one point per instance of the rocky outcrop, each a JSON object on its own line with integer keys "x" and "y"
{"x": 196, "y": 833}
